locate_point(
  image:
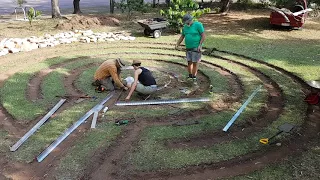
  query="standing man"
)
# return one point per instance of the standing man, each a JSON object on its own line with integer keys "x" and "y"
{"x": 143, "y": 81}
{"x": 193, "y": 33}
{"x": 108, "y": 74}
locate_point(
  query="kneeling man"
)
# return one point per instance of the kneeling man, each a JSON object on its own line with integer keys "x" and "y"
{"x": 108, "y": 73}
{"x": 143, "y": 81}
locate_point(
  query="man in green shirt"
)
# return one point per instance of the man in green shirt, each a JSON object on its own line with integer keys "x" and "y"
{"x": 193, "y": 33}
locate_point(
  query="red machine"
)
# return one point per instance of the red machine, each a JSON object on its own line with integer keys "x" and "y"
{"x": 293, "y": 17}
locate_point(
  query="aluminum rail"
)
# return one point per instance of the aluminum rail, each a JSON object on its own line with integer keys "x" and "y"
{"x": 173, "y": 101}
{"x": 37, "y": 126}
{"x": 97, "y": 107}
{"x": 94, "y": 119}
{"x": 241, "y": 109}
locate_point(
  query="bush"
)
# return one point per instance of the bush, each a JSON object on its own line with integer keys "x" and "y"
{"x": 132, "y": 5}
{"x": 32, "y": 14}
{"x": 19, "y": 2}
{"x": 178, "y": 8}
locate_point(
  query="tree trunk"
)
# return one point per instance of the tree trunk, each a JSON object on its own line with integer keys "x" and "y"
{"x": 55, "y": 9}
{"x": 76, "y": 7}
{"x": 154, "y": 3}
{"x": 111, "y": 6}
{"x": 225, "y": 6}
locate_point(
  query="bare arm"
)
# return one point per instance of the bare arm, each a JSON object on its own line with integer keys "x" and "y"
{"x": 203, "y": 37}
{"x": 180, "y": 40}
{"x": 115, "y": 77}
{"x": 134, "y": 84}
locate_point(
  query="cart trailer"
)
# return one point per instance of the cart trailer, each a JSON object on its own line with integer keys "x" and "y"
{"x": 293, "y": 17}
{"x": 153, "y": 27}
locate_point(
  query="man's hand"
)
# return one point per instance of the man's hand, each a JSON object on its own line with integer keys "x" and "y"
{"x": 125, "y": 88}
{"x": 199, "y": 48}
{"x": 127, "y": 98}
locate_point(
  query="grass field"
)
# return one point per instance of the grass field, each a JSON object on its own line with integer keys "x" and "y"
{"x": 294, "y": 51}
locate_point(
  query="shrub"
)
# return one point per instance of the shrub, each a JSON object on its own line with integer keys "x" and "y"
{"x": 19, "y": 2}
{"x": 32, "y": 14}
{"x": 178, "y": 8}
{"x": 132, "y": 5}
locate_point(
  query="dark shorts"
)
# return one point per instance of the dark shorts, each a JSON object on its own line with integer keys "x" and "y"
{"x": 193, "y": 55}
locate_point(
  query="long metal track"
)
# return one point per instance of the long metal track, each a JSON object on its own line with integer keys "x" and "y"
{"x": 97, "y": 107}
{"x": 173, "y": 101}
{"x": 37, "y": 126}
{"x": 241, "y": 109}
{"x": 94, "y": 119}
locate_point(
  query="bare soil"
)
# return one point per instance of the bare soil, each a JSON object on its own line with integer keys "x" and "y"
{"x": 85, "y": 22}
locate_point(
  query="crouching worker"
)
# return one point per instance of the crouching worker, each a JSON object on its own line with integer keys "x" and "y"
{"x": 108, "y": 74}
{"x": 143, "y": 81}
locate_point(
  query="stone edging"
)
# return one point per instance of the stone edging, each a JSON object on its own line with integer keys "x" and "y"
{"x": 15, "y": 45}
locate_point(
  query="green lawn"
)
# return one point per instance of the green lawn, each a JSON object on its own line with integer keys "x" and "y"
{"x": 298, "y": 56}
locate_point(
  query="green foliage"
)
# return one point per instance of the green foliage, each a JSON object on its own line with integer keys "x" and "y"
{"x": 282, "y": 3}
{"x": 132, "y": 5}
{"x": 19, "y": 2}
{"x": 178, "y": 8}
{"x": 32, "y": 14}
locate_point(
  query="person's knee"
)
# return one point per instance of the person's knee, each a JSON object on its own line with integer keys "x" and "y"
{"x": 128, "y": 81}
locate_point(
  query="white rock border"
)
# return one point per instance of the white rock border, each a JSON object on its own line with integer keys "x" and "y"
{"x": 15, "y": 45}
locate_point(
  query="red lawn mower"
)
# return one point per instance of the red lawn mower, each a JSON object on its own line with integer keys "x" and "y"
{"x": 294, "y": 17}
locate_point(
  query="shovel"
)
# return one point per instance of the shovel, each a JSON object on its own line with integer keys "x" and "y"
{"x": 283, "y": 128}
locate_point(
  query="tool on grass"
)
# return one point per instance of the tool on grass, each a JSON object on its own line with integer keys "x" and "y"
{"x": 283, "y": 128}
{"x": 241, "y": 109}
{"x": 122, "y": 122}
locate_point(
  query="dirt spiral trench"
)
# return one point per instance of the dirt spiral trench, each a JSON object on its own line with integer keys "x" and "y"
{"x": 275, "y": 102}
{"x": 108, "y": 165}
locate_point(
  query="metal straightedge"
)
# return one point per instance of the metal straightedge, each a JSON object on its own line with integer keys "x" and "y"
{"x": 37, "y": 126}
{"x": 241, "y": 109}
{"x": 95, "y": 117}
{"x": 97, "y": 107}
{"x": 155, "y": 102}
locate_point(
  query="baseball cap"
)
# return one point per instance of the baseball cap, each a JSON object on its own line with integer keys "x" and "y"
{"x": 187, "y": 18}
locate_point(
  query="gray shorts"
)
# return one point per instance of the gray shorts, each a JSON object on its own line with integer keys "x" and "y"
{"x": 107, "y": 83}
{"x": 193, "y": 55}
{"x": 146, "y": 89}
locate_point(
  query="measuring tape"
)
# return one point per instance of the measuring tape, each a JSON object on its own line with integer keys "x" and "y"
{"x": 173, "y": 101}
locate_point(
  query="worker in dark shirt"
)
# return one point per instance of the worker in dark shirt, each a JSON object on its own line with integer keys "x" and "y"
{"x": 143, "y": 81}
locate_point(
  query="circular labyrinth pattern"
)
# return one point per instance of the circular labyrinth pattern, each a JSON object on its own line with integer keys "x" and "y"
{"x": 150, "y": 147}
